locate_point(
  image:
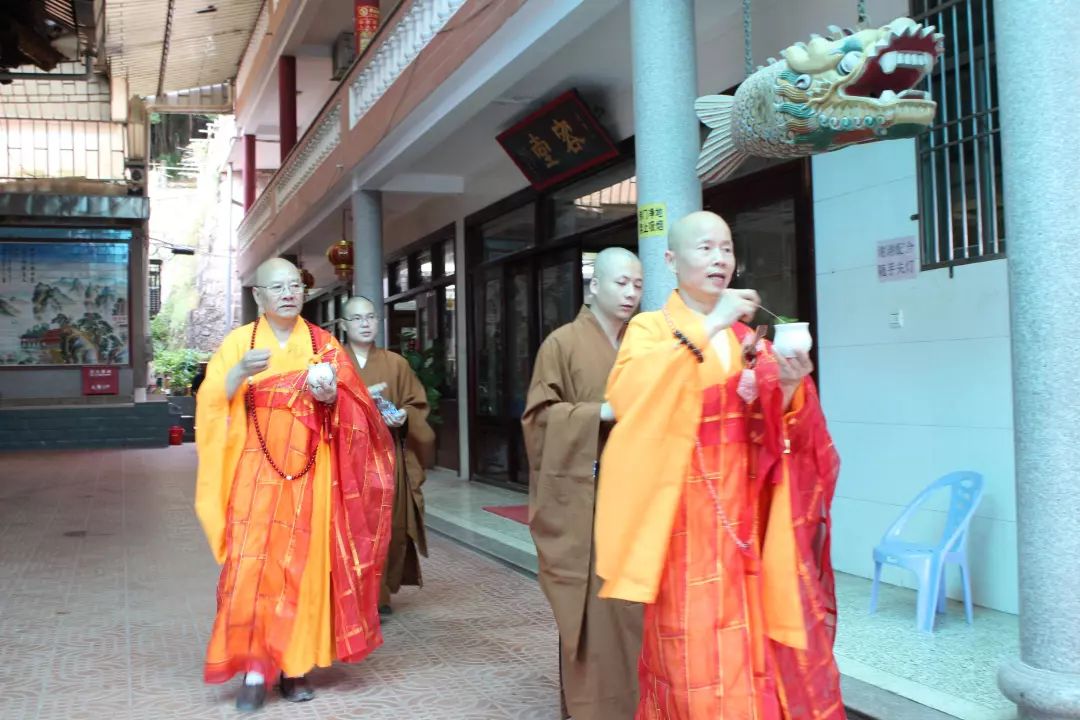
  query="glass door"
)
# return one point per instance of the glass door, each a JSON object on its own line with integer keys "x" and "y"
{"x": 447, "y": 451}
{"x": 521, "y": 309}
{"x": 771, "y": 222}
{"x": 491, "y": 457}
{"x": 560, "y": 297}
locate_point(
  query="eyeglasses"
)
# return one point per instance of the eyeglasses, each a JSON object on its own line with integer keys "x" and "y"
{"x": 278, "y": 289}
{"x": 370, "y": 318}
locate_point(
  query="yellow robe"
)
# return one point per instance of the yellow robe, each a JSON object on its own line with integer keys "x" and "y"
{"x": 222, "y": 434}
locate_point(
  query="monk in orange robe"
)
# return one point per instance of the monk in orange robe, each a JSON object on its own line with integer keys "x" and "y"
{"x": 713, "y": 503}
{"x": 565, "y": 424}
{"x": 390, "y": 375}
{"x": 295, "y": 485}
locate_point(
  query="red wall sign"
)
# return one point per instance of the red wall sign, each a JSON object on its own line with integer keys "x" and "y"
{"x": 366, "y": 17}
{"x": 100, "y": 381}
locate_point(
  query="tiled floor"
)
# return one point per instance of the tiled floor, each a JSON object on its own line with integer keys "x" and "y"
{"x": 107, "y": 595}
{"x": 953, "y": 670}
{"x": 106, "y": 598}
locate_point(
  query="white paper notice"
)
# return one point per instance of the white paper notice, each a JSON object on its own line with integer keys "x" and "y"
{"x": 897, "y": 259}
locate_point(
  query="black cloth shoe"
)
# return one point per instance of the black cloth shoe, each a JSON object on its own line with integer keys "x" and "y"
{"x": 386, "y": 610}
{"x": 251, "y": 697}
{"x": 296, "y": 689}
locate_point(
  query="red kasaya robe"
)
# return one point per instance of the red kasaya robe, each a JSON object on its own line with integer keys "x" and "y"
{"x": 302, "y": 558}
{"x": 715, "y": 512}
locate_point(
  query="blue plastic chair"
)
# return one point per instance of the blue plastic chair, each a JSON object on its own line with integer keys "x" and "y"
{"x": 928, "y": 562}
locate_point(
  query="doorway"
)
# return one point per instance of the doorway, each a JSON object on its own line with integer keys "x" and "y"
{"x": 517, "y": 302}
{"x": 771, "y": 217}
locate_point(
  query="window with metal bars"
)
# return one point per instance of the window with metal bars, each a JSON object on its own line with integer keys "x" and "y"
{"x": 960, "y": 202}
{"x": 154, "y": 277}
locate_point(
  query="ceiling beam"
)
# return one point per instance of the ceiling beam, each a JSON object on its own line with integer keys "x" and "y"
{"x": 165, "y": 47}
{"x": 426, "y": 183}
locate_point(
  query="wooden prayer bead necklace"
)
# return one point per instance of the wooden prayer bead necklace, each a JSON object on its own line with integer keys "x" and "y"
{"x": 683, "y": 340}
{"x": 249, "y": 401}
{"x": 729, "y": 527}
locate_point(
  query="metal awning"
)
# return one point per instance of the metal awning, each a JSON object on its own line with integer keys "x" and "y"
{"x": 163, "y": 46}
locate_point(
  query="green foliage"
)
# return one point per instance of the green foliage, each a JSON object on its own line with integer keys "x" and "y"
{"x": 430, "y": 366}
{"x": 168, "y": 329}
{"x": 168, "y": 333}
{"x": 180, "y": 366}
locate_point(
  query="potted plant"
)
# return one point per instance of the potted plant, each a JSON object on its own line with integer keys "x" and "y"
{"x": 430, "y": 367}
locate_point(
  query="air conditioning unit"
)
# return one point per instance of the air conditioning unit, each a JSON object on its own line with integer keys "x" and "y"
{"x": 344, "y": 54}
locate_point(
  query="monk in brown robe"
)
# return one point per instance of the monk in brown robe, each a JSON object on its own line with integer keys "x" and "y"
{"x": 294, "y": 493}
{"x": 566, "y": 422}
{"x": 389, "y": 374}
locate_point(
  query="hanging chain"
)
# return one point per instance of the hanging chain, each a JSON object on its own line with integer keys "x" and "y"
{"x": 864, "y": 19}
{"x": 748, "y": 52}
{"x": 729, "y": 527}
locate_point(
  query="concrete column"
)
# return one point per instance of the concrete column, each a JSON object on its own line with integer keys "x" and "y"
{"x": 250, "y": 171}
{"x": 139, "y": 312}
{"x": 287, "y": 104}
{"x": 367, "y": 252}
{"x": 666, "y": 130}
{"x": 1044, "y": 264}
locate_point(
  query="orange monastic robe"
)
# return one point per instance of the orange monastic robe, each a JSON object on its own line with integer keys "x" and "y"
{"x": 714, "y": 511}
{"x": 301, "y": 558}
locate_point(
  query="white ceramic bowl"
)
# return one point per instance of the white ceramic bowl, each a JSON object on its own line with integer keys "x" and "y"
{"x": 321, "y": 374}
{"x": 792, "y": 338}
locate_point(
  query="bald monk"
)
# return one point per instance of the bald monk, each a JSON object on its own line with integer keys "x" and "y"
{"x": 713, "y": 505}
{"x": 565, "y": 424}
{"x": 390, "y": 375}
{"x": 295, "y": 485}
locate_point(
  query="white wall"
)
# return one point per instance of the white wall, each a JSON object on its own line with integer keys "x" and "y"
{"x": 908, "y": 405}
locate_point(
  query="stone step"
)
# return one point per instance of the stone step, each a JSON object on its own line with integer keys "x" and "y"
{"x": 117, "y": 426}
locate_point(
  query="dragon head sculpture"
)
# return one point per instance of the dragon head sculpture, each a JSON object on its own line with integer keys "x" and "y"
{"x": 854, "y": 87}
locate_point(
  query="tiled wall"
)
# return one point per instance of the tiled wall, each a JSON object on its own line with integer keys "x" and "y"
{"x": 906, "y": 405}
{"x": 57, "y": 100}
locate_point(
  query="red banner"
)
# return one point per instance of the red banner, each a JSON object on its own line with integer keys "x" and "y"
{"x": 100, "y": 381}
{"x": 366, "y": 14}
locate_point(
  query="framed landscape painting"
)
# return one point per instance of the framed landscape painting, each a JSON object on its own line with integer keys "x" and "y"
{"x": 64, "y": 303}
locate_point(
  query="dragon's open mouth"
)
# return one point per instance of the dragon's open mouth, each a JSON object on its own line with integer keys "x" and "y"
{"x": 897, "y": 64}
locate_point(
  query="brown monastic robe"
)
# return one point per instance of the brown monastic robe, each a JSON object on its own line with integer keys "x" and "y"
{"x": 599, "y": 639}
{"x": 414, "y": 445}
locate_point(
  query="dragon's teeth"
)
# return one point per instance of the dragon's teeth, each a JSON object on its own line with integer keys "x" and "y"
{"x": 888, "y": 62}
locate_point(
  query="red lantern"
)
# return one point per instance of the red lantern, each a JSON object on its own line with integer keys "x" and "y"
{"x": 366, "y": 18}
{"x": 340, "y": 256}
{"x": 307, "y": 278}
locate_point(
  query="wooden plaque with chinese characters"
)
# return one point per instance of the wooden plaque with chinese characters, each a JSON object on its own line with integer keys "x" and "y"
{"x": 558, "y": 141}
